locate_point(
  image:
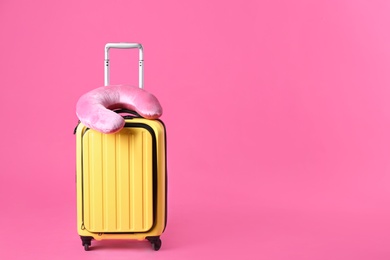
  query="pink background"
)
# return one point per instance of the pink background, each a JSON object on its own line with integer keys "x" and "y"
{"x": 278, "y": 120}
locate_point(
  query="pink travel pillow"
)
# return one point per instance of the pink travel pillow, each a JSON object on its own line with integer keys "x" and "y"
{"x": 94, "y": 108}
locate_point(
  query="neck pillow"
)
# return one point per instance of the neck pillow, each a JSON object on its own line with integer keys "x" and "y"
{"x": 94, "y": 108}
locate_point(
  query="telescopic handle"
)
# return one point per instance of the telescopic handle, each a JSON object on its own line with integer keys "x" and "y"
{"x": 123, "y": 45}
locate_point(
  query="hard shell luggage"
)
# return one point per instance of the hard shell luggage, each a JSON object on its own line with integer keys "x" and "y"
{"x": 121, "y": 178}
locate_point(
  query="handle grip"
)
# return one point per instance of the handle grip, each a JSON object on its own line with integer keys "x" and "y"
{"x": 123, "y": 45}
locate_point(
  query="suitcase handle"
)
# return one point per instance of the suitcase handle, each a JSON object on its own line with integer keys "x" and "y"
{"x": 130, "y": 113}
{"x": 123, "y": 45}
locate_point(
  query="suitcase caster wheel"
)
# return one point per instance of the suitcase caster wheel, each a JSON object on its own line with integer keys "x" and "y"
{"x": 156, "y": 243}
{"x": 86, "y": 242}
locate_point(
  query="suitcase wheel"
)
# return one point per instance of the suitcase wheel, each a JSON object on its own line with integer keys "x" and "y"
{"x": 156, "y": 242}
{"x": 156, "y": 245}
{"x": 86, "y": 242}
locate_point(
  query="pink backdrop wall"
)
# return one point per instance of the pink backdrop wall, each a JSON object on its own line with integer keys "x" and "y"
{"x": 277, "y": 114}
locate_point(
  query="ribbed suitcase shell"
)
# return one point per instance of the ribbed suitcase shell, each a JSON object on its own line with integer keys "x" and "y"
{"x": 119, "y": 188}
{"x": 121, "y": 181}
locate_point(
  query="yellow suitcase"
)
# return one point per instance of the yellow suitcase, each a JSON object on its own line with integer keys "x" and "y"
{"x": 122, "y": 180}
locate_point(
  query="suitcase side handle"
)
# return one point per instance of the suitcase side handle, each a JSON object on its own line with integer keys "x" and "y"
{"x": 123, "y": 45}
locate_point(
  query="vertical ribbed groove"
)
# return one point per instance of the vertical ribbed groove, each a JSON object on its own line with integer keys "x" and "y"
{"x": 142, "y": 179}
{"x": 91, "y": 200}
{"x": 117, "y": 181}
{"x": 130, "y": 166}
{"x": 89, "y": 182}
{"x": 118, "y": 212}
{"x": 102, "y": 177}
{"x": 147, "y": 169}
{"x": 115, "y": 174}
{"x": 132, "y": 187}
{"x": 131, "y": 170}
{"x": 91, "y": 193}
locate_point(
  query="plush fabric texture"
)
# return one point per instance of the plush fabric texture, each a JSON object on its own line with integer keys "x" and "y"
{"x": 94, "y": 108}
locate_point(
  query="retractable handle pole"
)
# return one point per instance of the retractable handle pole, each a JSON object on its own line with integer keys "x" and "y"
{"x": 123, "y": 45}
